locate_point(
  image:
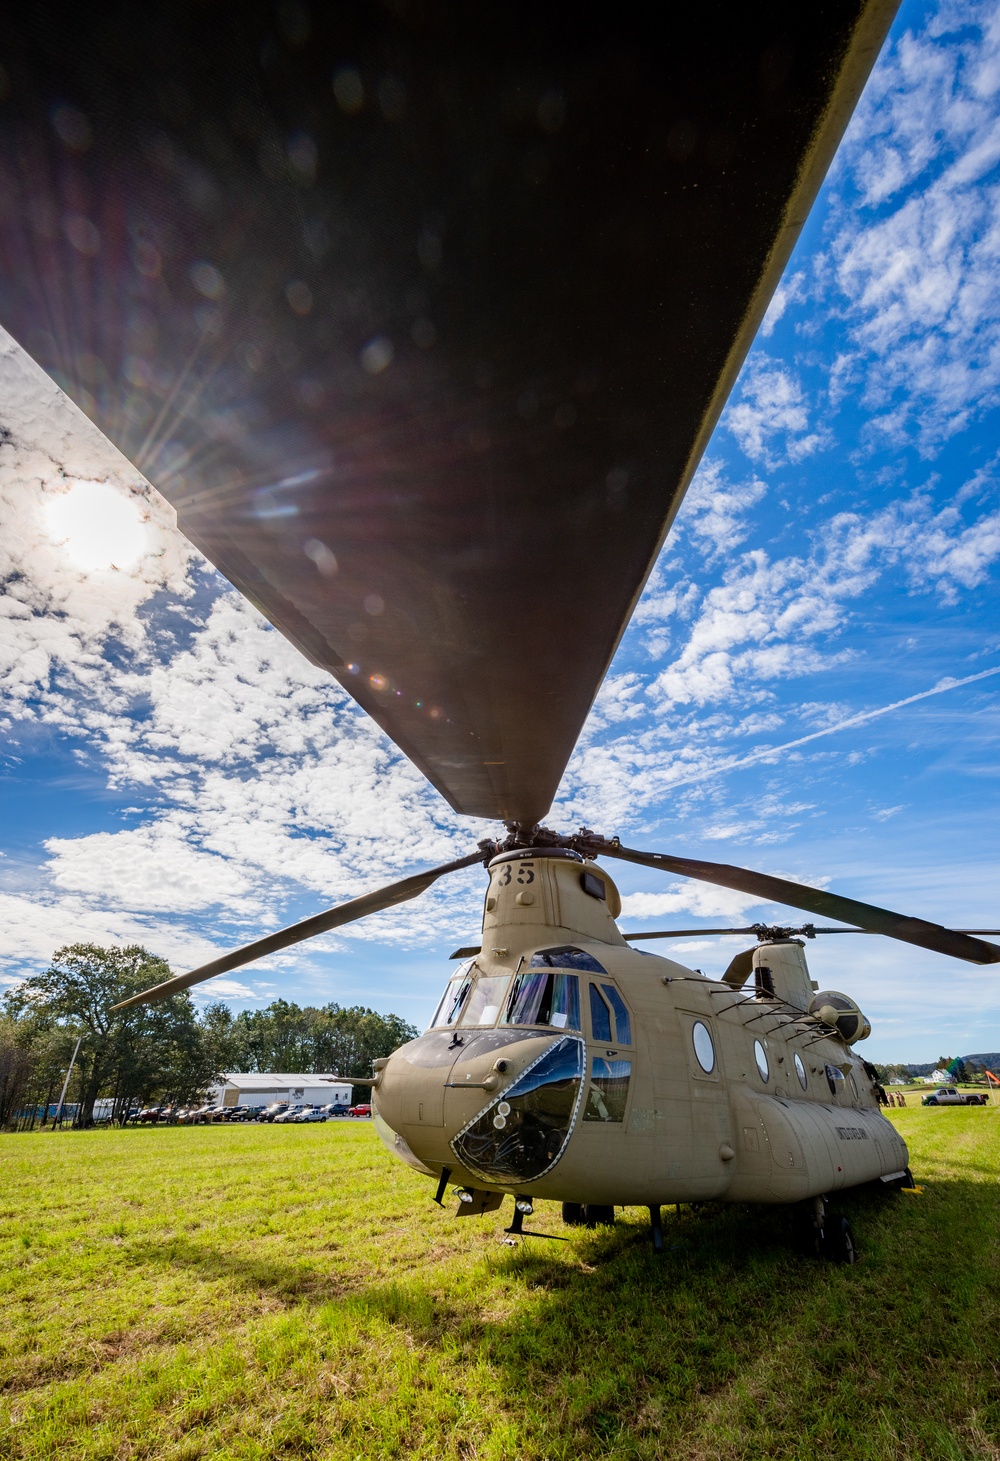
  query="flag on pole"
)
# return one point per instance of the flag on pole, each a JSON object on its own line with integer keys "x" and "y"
{"x": 993, "y": 1080}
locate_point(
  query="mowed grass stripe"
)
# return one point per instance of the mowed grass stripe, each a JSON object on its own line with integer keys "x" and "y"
{"x": 259, "y": 1292}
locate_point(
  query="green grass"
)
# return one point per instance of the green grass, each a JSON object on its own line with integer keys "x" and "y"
{"x": 262, "y": 1292}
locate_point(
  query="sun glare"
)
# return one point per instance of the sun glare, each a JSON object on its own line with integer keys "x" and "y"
{"x": 98, "y": 526}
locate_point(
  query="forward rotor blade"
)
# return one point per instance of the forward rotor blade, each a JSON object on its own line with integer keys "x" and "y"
{"x": 619, "y": 271}
{"x": 814, "y": 900}
{"x": 349, "y": 912}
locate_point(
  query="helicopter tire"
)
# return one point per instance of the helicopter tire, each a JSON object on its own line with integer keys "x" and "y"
{"x": 597, "y": 1215}
{"x": 572, "y": 1214}
{"x": 838, "y": 1240}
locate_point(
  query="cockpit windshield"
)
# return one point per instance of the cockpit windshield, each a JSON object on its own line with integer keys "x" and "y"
{"x": 483, "y": 1004}
{"x": 454, "y": 997}
{"x": 471, "y": 998}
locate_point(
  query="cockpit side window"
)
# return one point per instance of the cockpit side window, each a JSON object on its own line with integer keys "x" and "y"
{"x": 540, "y": 997}
{"x": 603, "y": 1028}
{"x": 600, "y": 1017}
{"x": 608, "y": 1093}
{"x": 622, "y": 1022}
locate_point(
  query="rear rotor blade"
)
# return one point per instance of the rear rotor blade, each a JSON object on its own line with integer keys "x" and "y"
{"x": 814, "y": 900}
{"x": 692, "y": 932}
{"x": 349, "y": 912}
{"x": 689, "y": 933}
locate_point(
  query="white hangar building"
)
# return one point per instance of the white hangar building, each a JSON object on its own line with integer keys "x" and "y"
{"x": 237, "y": 1088}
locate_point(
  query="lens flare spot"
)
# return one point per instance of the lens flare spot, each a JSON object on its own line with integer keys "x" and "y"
{"x": 98, "y": 526}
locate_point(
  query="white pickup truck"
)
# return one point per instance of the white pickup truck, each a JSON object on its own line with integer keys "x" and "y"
{"x": 950, "y": 1096}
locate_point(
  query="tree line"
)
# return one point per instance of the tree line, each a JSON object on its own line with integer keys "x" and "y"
{"x": 960, "y": 1071}
{"x": 163, "y": 1053}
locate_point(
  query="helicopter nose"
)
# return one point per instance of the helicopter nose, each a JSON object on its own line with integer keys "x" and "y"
{"x": 503, "y": 1108}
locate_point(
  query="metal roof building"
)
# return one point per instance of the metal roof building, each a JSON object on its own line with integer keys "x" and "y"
{"x": 237, "y": 1088}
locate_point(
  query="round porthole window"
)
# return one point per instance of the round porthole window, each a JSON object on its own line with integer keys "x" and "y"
{"x": 800, "y": 1070}
{"x": 835, "y": 1080}
{"x": 760, "y": 1055}
{"x": 703, "y": 1048}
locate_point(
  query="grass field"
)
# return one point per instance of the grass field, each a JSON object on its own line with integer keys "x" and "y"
{"x": 253, "y": 1292}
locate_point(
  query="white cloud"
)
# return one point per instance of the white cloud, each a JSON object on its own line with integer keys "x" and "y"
{"x": 743, "y": 634}
{"x": 789, "y": 291}
{"x": 700, "y": 900}
{"x": 217, "y": 989}
{"x": 764, "y": 622}
{"x": 770, "y": 417}
{"x": 152, "y": 867}
{"x": 34, "y": 925}
{"x": 917, "y": 250}
{"x": 271, "y": 788}
{"x": 715, "y": 511}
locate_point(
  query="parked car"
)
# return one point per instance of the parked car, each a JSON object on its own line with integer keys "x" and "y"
{"x": 363, "y": 1110}
{"x": 335, "y": 1108}
{"x": 272, "y": 1112}
{"x": 237, "y": 1113}
{"x": 311, "y": 1113}
{"x": 288, "y": 1116}
{"x": 951, "y": 1096}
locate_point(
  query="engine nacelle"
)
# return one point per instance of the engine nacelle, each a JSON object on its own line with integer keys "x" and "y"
{"x": 842, "y": 1013}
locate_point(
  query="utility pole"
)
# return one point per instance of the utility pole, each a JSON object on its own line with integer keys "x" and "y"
{"x": 76, "y": 1050}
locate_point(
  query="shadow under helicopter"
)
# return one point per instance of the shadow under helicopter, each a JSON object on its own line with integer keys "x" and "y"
{"x": 699, "y": 1241}
{"x": 736, "y": 1324}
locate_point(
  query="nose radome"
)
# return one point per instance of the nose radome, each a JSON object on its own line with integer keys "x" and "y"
{"x": 522, "y": 1129}
{"x": 430, "y": 1091}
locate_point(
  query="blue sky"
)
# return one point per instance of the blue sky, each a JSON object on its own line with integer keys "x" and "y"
{"x": 174, "y": 773}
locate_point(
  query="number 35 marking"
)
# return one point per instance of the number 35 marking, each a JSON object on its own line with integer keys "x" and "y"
{"x": 525, "y": 874}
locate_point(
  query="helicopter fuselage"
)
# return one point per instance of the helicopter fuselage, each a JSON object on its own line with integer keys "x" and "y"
{"x": 563, "y": 1064}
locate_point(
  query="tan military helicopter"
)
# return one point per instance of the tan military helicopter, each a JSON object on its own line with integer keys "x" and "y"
{"x": 562, "y": 1064}
{"x": 421, "y": 318}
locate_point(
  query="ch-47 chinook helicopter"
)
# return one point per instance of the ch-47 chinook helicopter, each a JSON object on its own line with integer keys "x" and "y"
{"x": 421, "y": 316}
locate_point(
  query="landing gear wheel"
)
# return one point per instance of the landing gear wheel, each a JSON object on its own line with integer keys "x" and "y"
{"x": 838, "y": 1240}
{"x": 572, "y": 1214}
{"x": 597, "y": 1215}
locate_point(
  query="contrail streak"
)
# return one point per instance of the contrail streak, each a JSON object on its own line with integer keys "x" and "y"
{"x": 764, "y": 753}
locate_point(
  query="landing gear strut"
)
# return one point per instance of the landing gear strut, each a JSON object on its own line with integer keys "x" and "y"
{"x": 523, "y": 1208}
{"x": 831, "y": 1236}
